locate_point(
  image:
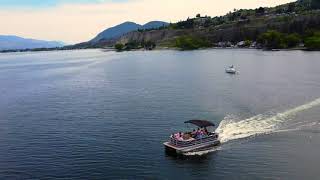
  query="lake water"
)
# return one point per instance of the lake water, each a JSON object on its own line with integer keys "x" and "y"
{"x": 104, "y": 115}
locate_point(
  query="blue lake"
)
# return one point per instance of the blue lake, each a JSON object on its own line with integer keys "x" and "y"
{"x": 93, "y": 114}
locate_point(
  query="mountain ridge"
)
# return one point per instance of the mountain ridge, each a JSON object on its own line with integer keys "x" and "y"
{"x": 13, "y": 42}
{"x": 125, "y": 27}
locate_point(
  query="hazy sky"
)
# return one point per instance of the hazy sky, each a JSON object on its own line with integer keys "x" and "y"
{"x": 75, "y": 21}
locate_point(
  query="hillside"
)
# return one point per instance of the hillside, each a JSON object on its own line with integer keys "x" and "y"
{"x": 298, "y": 20}
{"x": 121, "y": 29}
{"x": 15, "y": 42}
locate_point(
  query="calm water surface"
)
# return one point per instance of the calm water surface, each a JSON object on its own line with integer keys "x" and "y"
{"x": 104, "y": 115}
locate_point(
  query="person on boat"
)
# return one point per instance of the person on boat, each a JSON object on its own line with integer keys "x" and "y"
{"x": 199, "y": 134}
{"x": 186, "y": 136}
{"x": 182, "y": 136}
{"x": 202, "y": 133}
{"x": 193, "y": 133}
{"x": 176, "y": 136}
{"x": 206, "y": 131}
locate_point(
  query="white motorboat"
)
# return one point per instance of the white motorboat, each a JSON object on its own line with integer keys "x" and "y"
{"x": 231, "y": 70}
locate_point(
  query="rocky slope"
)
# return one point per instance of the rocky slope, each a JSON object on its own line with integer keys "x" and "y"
{"x": 121, "y": 29}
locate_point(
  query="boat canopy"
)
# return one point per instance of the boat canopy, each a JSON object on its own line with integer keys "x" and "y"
{"x": 200, "y": 123}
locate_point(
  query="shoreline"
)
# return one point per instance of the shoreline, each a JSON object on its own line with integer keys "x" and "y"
{"x": 157, "y": 48}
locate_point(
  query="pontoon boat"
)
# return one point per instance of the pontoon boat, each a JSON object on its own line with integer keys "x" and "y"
{"x": 197, "y": 140}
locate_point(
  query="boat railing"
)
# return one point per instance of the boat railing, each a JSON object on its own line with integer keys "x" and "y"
{"x": 180, "y": 143}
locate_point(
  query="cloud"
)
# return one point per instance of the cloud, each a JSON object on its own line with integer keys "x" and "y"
{"x": 78, "y": 22}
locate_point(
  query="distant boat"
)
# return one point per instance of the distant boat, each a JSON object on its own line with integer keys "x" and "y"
{"x": 231, "y": 70}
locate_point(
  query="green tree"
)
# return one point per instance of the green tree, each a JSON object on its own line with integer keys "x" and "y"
{"x": 247, "y": 43}
{"x": 119, "y": 47}
{"x": 292, "y": 40}
{"x": 132, "y": 45}
{"x": 272, "y": 40}
{"x": 188, "y": 24}
{"x": 291, "y": 7}
{"x": 149, "y": 45}
{"x": 260, "y": 11}
{"x": 315, "y": 4}
{"x": 190, "y": 43}
{"x": 313, "y": 42}
{"x": 279, "y": 10}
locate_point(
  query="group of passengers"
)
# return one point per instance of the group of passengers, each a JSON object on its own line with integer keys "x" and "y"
{"x": 200, "y": 133}
{"x": 195, "y": 134}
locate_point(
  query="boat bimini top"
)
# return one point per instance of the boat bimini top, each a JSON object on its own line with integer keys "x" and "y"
{"x": 200, "y": 123}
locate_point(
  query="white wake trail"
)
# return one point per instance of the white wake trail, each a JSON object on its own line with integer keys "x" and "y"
{"x": 230, "y": 129}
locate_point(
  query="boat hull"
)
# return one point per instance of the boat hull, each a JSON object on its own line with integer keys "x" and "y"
{"x": 229, "y": 71}
{"x": 172, "y": 149}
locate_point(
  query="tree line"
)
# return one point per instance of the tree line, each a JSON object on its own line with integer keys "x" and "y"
{"x": 131, "y": 45}
{"x": 275, "y": 40}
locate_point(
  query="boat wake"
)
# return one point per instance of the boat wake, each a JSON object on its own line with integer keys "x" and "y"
{"x": 231, "y": 129}
{"x": 203, "y": 152}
